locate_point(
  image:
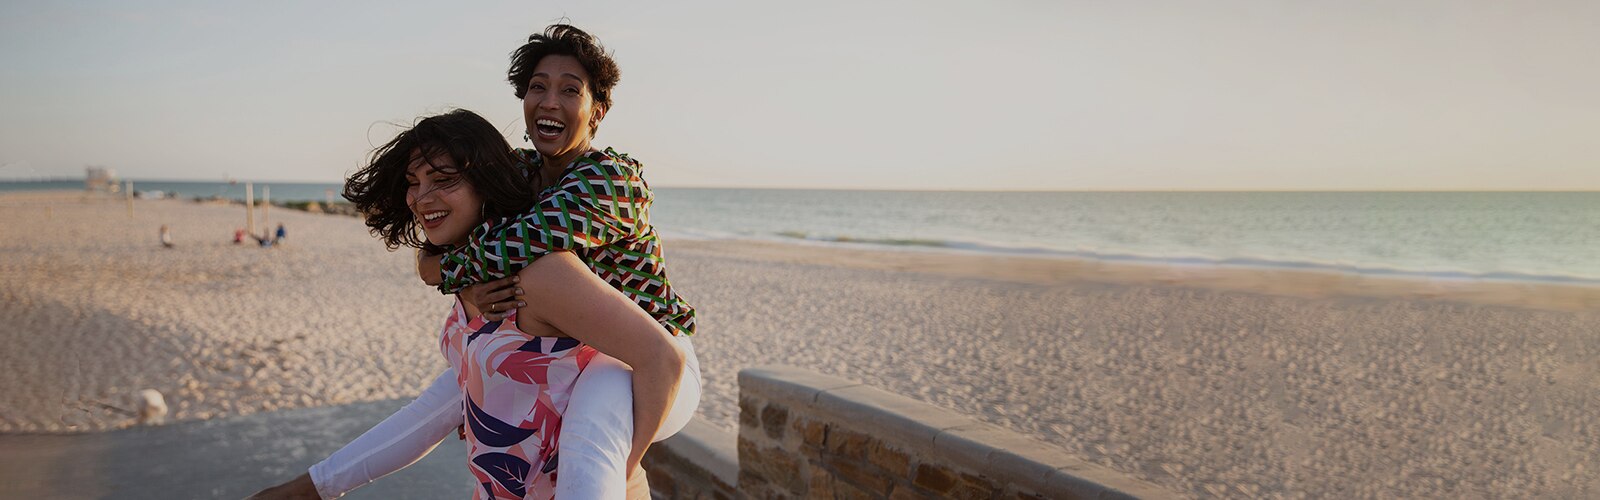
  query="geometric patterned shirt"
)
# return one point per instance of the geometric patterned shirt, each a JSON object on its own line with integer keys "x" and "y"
{"x": 600, "y": 211}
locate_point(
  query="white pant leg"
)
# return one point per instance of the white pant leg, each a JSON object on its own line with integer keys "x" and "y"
{"x": 597, "y": 428}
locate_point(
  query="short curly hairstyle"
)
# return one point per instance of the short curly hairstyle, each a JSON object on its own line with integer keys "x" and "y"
{"x": 482, "y": 157}
{"x": 566, "y": 40}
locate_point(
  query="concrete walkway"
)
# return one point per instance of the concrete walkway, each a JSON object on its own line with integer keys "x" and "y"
{"x": 229, "y": 458}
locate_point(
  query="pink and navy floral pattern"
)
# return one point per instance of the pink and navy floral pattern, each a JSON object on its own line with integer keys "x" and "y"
{"x": 515, "y": 387}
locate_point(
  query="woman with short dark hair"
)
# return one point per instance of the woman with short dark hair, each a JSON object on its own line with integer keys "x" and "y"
{"x": 594, "y": 206}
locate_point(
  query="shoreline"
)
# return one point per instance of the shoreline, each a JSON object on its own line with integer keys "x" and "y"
{"x": 1286, "y": 381}
{"x": 1053, "y": 270}
{"x": 1240, "y": 263}
{"x": 1056, "y": 268}
{"x": 1374, "y": 270}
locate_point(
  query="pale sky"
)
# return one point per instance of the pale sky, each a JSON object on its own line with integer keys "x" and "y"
{"x": 1038, "y": 95}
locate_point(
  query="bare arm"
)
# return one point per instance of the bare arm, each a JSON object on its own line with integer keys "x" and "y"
{"x": 428, "y": 267}
{"x": 393, "y": 444}
{"x": 565, "y": 295}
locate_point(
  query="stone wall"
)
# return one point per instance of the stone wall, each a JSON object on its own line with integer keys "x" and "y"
{"x": 700, "y": 462}
{"x": 806, "y": 435}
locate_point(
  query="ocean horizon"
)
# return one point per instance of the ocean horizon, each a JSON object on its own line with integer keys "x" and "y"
{"x": 1541, "y": 236}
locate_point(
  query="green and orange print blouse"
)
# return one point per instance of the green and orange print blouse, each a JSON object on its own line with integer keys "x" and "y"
{"x": 600, "y": 211}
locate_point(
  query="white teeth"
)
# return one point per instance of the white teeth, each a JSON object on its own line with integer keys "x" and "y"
{"x": 549, "y": 123}
{"x": 434, "y": 216}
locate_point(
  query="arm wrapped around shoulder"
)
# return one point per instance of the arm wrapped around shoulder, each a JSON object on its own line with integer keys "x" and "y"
{"x": 601, "y": 201}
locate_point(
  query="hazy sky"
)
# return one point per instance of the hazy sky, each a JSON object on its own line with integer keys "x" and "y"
{"x": 1046, "y": 95}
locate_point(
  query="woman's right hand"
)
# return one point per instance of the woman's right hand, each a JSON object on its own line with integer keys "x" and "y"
{"x": 429, "y": 268}
{"x": 299, "y": 488}
{"x": 496, "y": 299}
{"x": 638, "y": 484}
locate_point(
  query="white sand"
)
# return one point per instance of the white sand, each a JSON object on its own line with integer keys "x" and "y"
{"x": 1230, "y": 383}
{"x": 95, "y": 309}
{"x": 1306, "y": 392}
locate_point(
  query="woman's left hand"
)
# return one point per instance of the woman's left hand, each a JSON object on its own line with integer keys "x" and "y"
{"x": 299, "y": 488}
{"x": 496, "y": 299}
{"x": 638, "y": 484}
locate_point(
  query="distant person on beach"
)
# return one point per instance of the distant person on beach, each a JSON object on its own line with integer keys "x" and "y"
{"x": 263, "y": 240}
{"x": 281, "y": 234}
{"x": 238, "y": 236}
{"x": 582, "y": 280}
{"x": 166, "y": 236}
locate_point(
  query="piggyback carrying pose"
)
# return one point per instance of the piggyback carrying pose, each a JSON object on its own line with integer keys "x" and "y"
{"x": 592, "y": 214}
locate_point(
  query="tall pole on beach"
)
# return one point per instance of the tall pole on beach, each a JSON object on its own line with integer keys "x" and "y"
{"x": 266, "y": 203}
{"x": 127, "y": 192}
{"x": 249, "y": 207}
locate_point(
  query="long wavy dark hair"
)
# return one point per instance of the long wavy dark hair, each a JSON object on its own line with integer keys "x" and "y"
{"x": 483, "y": 160}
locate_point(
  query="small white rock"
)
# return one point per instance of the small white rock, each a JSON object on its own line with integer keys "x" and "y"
{"x": 152, "y": 407}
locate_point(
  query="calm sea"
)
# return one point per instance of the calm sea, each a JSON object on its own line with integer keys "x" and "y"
{"x": 1502, "y": 235}
{"x": 280, "y": 191}
{"x": 1510, "y": 236}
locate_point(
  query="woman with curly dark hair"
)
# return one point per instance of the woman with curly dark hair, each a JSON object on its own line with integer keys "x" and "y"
{"x": 592, "y": 206}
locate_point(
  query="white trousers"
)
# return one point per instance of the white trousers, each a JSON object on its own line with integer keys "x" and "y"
{"x": 596, "y": 432}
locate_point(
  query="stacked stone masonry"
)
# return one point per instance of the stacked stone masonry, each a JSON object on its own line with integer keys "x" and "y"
{"x": 806, "y": 435}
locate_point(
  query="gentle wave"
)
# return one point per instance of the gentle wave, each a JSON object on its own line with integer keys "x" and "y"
{"x": 871, "y": 241}
{"x": 1531, "y": 237}
{"x": 1242, "y": 262}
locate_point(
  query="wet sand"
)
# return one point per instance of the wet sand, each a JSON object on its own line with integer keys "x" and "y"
{"x": 1214, "y": 382}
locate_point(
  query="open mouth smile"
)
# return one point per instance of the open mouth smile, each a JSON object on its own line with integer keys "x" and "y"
{"x": 432, "y": 219}
{"x": 548, "y": 129}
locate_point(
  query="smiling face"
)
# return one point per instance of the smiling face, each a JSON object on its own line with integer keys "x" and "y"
{"x": 444, "y": 203}
{"x": 559, "y": 108}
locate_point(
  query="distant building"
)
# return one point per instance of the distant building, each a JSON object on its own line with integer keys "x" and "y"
{"x": 100, "y": 179}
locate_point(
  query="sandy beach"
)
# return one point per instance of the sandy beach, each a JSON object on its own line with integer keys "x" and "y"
{"x": 1214, "y": 382}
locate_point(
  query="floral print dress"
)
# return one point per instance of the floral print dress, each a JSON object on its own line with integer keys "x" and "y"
{"x": 514, "y": 389}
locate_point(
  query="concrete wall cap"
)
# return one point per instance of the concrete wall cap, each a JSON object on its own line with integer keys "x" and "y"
{"x": 1065, "y": 485}
{"x": 1010, "y": 457}
{"x": 708, "y": 446}
{"x": 899, "y": 420}
{"x": 942, "y": 435}
{"x": 1107, "y": 483}
{"x": 788, "y": 384}
{"x": 1023, "y": 462}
